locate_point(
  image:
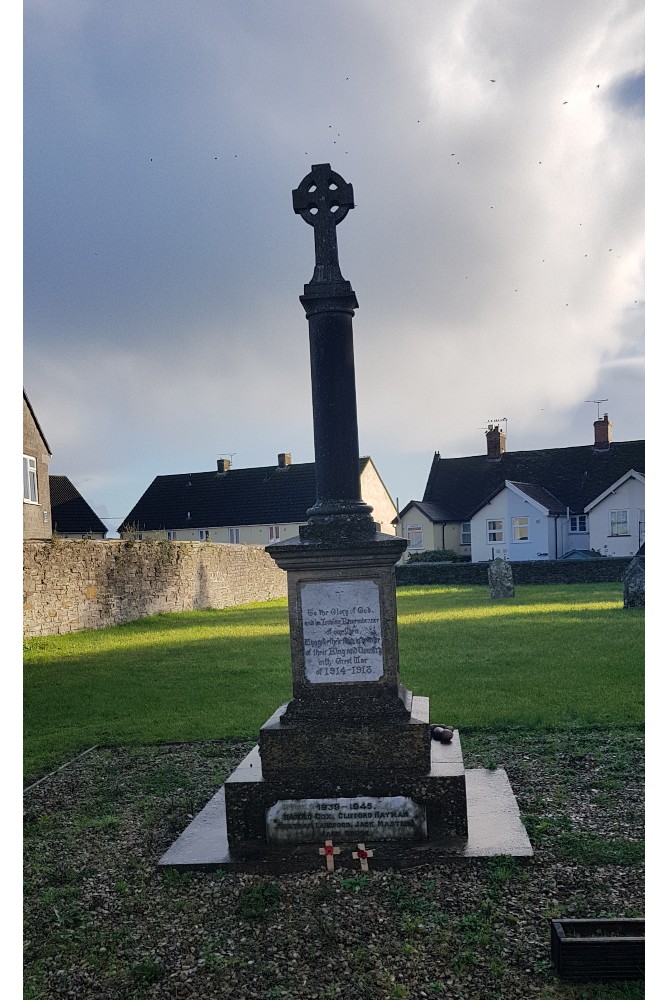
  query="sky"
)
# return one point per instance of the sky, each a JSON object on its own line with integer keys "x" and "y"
{"x": 496, "y": 247}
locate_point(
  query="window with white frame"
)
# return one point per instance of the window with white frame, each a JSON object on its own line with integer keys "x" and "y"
{"x": 519, "y": 529}
{"x": 203, "y": 534}
{"x": 171, "y": 536}
{"x": 274, "y": 533}
{"x": 642, "y": 525}
{"x": 578, "y": 523}
{"x": 495, "y": 531}
{"x": 29, "y": 479}
{"x": 415, "y": 536}
{"x": 466, "y": 533}
{"x": 619, "y": 522}
{"x": 234, "y": 536}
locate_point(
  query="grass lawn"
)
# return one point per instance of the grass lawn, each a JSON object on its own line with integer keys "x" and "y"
{"x": 553, "y": 657}
{"x": 548, "y": 685}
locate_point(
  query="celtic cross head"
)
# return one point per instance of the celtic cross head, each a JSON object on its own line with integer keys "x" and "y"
{"x": 323, "y": 199}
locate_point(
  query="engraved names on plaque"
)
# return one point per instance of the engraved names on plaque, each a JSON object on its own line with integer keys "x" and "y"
{"x": 371, "y": 817}
{"x": 342, "y": 639}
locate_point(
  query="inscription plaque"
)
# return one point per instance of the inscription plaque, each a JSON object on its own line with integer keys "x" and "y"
{"x": 342, "y": 640}
{"x": 367, "y": 817}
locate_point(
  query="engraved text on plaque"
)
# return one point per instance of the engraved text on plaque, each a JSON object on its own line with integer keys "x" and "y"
{"x": 342, "y": 639}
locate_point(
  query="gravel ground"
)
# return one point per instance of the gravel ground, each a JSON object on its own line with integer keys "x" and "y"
{"x": 102, "y": 922}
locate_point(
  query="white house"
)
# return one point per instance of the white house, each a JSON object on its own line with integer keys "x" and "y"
{"x": 617, "y": 517}
{"x": 539, "y": 504}
{"x": 520, "y": 522}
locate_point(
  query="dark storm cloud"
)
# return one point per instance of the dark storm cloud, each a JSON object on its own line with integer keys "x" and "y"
{"x": 496, "y": 246}
{"x": 629, "y": 93}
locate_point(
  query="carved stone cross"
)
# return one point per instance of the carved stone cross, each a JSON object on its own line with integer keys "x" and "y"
{"x": 323, "y": 199}
{"x": 362, "y": 856}
{"x": 328, "y": 851}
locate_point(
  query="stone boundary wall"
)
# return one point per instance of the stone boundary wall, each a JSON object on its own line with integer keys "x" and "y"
{"x": 607, "y": 569}
{"x": 71, "y": 585}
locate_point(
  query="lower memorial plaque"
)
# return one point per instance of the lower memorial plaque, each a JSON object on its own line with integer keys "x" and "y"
{"x": 293, "y": 821}
{"x": 342, "y": 640}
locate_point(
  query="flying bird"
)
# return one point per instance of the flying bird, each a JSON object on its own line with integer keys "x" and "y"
{"x": 564, "y": 102}
{"x": 493, "y": 81}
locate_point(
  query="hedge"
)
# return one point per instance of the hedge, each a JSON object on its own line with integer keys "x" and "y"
{"x": 607, "y": 569}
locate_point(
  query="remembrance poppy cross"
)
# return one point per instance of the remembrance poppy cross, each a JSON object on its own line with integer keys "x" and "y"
{"x": 362, "y": 856}
{"x": 328, "y": 851}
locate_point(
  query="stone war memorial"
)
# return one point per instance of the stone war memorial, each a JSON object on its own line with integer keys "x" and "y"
{"x": 347, "y": 769}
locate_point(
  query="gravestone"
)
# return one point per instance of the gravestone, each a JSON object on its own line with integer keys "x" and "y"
{"x": 501, "y": 581}
{"x": 634, "y": 583}
{"x": 349, "y": 758}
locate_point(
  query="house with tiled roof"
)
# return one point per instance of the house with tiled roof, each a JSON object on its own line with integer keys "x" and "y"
{"x": 539, "y": 504}
{"x": 36, "y": 457}
{"x": 243, "y": 506}
{"x": 72, "y": 516}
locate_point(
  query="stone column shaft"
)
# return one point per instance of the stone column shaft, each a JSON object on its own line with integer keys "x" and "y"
{"x": 334, "y": 408}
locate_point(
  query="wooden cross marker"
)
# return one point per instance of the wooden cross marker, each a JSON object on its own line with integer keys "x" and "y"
{"x": 362, "y": 855}
{"x": 328, "y": 851}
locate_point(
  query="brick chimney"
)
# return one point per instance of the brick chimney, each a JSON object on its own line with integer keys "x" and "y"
{"x": 495, "y": 443}
{"x": 284, "y": 459}
{"x": 602, "y": 430}
{"x": 224, "y": 465}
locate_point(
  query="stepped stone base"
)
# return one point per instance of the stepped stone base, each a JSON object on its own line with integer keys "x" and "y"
{"x": 494, "y": 828}
{"x": 386, "y": 785}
